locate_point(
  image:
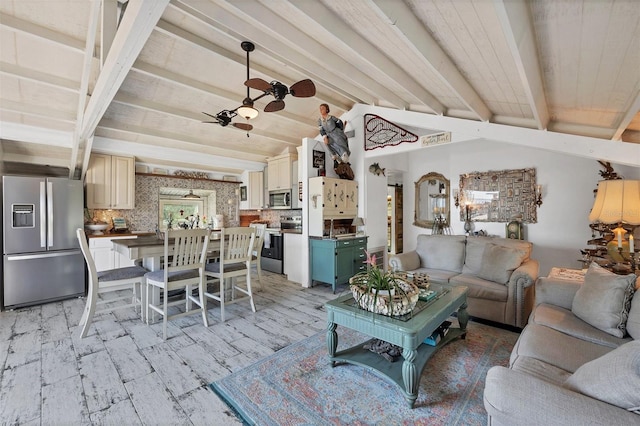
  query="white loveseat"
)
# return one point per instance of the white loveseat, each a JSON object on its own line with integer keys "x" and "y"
{"x": 499, "y": 272}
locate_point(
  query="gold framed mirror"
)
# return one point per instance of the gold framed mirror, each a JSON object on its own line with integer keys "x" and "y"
{"x": 432, "y": 201}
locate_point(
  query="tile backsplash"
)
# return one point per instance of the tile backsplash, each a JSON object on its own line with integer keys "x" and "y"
{"x": 144, "y": 217}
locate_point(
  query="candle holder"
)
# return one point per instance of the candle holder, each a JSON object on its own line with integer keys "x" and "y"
{"x": 631, "y": 259}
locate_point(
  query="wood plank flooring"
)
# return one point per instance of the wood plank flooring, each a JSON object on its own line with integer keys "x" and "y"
{"x": 123, "y": 373}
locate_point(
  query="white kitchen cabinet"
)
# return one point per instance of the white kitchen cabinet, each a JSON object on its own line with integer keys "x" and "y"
{"x": 279, "y": 172}
{"x": 104, "y": 256}
{"x": 110, "y": 182}
{"x": 255, "y": 190}
{"x": 331, "y": 198}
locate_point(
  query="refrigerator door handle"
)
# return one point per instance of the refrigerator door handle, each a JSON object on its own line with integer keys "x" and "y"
{"x": 50, "y": 213}
{"x": 43, "y": 216}
{"x": 41, "y": 256}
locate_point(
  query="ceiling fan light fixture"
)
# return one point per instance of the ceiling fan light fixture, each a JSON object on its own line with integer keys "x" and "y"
{"x": 247, "y": 112}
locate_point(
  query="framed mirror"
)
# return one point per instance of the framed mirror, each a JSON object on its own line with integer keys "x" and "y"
{"x": 180, "y": 208}
{"x": 432, "y": 201}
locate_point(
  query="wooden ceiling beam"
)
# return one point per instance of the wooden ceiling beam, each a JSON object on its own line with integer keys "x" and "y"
{"x": 39, "y": 77}
{"x": 345, "y": 34}
{"x": 410, "y": 29}
{"x": 632, "y": 111}
{"x": 135, "y": 28}
{"x": 515, "y": 18}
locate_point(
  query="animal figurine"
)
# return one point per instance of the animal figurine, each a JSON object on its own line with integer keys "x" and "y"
{"x": 376, "y": 169}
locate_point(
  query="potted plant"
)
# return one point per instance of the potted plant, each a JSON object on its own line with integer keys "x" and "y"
{"x": 383, "y": 292}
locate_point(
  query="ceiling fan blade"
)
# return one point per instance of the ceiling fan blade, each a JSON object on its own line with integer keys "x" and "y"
{"x": 303, "y": 89}
{"x": 274, "y": 106}
{"x": 258, "y": 84}
{"x": 243, "y": 126}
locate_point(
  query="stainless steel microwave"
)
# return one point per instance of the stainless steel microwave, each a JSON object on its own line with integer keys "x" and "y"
{"x": 280, "y": 199}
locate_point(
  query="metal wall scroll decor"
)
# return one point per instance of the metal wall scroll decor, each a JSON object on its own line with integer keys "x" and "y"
{"x": 379, "y": 133}
{"x": 500, "y": 196}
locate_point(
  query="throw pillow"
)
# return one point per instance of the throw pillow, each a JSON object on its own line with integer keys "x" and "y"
{"x": 499, "y": 262}
{"x": 633, "y": 321}
{"x": 613, "y": 378}
{"x": 604, "y": 299}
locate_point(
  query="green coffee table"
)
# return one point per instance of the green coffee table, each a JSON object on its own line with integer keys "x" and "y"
{"x": 408, "y": 333}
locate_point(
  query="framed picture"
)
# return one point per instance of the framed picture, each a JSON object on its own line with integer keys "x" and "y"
{"x": 318, "y": 159}
{"x": 500, "y": 196}
{"x": 243, "y": 193}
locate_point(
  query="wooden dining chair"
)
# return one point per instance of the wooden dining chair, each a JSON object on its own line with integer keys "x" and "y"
{"x": 129, "y": 278}
{"x": 236, "y": 250}
{"x": 261, "y": 229}
{"x": 185, "y": 254}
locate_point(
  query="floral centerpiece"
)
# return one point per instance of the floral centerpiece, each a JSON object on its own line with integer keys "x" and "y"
{"x": 383, "y": 292}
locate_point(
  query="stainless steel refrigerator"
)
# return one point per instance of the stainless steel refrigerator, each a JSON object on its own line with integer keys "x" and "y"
{"x": 42, "y": 261}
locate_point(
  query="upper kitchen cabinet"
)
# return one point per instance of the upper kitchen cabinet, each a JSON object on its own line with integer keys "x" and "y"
{"x": 255, "y": 193}
{"x": 110, "y": 182}
{"x": 279, "y": 172}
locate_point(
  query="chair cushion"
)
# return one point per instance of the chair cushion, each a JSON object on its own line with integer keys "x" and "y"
{"x": 215, "y": 267}
{"x": 172, "y": 276}
{"x": 613, "y": 378}
{"x": 604, "y": 299}
{"x": 499, "y": 262}
{"x": 122, "y": 273}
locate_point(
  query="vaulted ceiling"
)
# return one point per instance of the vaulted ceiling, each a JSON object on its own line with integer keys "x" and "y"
{"x": 81, "y": 75}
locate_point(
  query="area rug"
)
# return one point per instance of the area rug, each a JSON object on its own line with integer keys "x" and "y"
{"x": 298, "y": 386}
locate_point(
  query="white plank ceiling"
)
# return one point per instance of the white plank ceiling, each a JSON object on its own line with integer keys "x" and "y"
{"x": 72, "y": 82}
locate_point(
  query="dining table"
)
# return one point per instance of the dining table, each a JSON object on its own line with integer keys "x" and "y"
{"x": 150, "y": 249}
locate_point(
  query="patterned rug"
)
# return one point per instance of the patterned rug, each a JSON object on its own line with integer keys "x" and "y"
{"x": 297, "y": 385}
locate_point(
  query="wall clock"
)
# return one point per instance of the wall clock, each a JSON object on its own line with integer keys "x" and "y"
{"x": 514, "y": 230}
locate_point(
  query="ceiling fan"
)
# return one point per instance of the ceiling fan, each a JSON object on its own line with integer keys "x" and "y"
{"x": 302, "y": 89}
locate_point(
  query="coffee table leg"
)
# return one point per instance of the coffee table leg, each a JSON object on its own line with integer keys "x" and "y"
{"x": 463, "y": 319}
{"x": 332, "y": 340}
{"x": 410, "y": 375}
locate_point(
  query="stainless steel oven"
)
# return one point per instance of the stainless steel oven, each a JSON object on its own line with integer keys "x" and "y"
{"x": 272, "y": 252}
{"x": 280, "y": 199}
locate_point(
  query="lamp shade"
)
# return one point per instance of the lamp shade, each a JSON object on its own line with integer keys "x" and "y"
{"x": 357, "y": 221}
{"x": 617, "y": 201}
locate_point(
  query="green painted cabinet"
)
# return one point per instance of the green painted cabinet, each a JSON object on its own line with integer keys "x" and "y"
{"x": 334, "y": 261}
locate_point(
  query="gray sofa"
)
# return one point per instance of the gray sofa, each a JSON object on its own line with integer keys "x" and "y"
{"x": 569, "y": 367}
{"x": 499, "y": 272}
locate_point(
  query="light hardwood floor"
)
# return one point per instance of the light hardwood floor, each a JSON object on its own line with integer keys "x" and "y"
{"x": 123, "y": 373}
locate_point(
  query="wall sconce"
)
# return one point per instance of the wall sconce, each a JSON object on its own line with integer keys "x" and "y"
{"x": 538, "y": 200}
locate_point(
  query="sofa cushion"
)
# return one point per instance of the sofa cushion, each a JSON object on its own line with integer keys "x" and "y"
{"x": 479, "y": 288}
{"x": 633, "y": 321}
{"x": 436, "y": 276}
{"x": 564, "y": 321}
{"x": 613, "y": 378}
{"x": 444, "y": 252}
{"x": 604, "y": 299}
{"x": 499, "y": 262}
{"x": 540, "y": 369}
{"x": 555, "y": 348}
{"x": 473, "y": 254}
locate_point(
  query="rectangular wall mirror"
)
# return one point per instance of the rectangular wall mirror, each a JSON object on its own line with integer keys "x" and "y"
{"x": 180, "y": 208}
